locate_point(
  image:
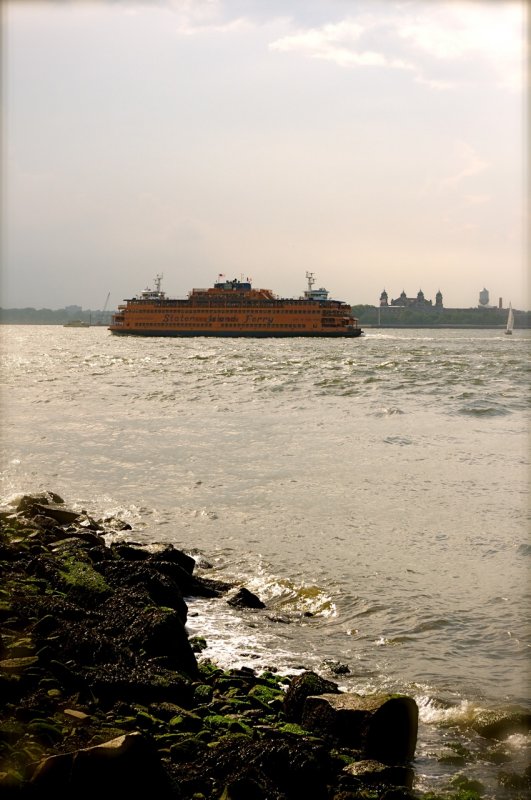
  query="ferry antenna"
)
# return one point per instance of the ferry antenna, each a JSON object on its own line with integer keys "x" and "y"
{"x": 310, "y": 279}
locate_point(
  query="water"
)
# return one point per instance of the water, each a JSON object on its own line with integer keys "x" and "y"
{"x": 373, "y": 492}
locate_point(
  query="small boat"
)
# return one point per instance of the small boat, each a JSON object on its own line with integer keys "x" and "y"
{"x": 510, "y": 321}
{"x": 234, "y": 308}
{"x": 76, "y": 323}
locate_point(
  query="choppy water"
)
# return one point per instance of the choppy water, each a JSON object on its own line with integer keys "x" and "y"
{"x": 374, "y": 492}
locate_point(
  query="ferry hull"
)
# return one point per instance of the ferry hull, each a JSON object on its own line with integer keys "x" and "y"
{"x": 247, "y": 335}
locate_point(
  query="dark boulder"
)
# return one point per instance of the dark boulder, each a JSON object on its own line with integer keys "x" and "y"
{"x": 301, "y": 687}
{"x": 45, "y": 498}
{"x": 499, "y": 724}
{"x": 169, "y": 553}
{"x": 126, "y": 766}
{"x": 245, "y": 599}
{"x": 374, "y": 773}
{"x": 382, "y": 727}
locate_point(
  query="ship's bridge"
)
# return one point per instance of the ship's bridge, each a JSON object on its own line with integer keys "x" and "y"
{"x": 233, "y": 289}
{"x": 153, "y": 294}
{"x": 148, "y": 294}
{"x": 314, "y": 294}
{"x": 234, "y": 284}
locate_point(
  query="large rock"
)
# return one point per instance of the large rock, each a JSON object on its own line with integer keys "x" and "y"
{"x": 382, "y": 727}
{"x": 60, "y": 514}
{"x": 302, "y": 686}
{"x": 127, "y": 765}
{"x": 245, "y": 599}
{"x": 169, "y": 553}
{"x": 499, "y": 724}
{"x": 374, "y": 773}
{"x": 28, "y": 500}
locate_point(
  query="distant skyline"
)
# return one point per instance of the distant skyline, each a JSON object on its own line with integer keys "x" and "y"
{"x": 377, "y": 144}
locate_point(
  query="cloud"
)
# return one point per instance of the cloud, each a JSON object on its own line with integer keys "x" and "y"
{"x": 441, "y": 44}
{"x": 433, "y": 83}
{"x": 470, "y": 164}
{"x": 338, "y": 42}
{"x": 491, "y": 33}
{"x": 424, "y": 38}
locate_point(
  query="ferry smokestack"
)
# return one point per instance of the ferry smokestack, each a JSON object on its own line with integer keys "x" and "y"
{"x": 500, "y": 303}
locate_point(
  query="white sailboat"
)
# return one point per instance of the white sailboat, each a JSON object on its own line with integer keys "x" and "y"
{"x": 510, "y": 320}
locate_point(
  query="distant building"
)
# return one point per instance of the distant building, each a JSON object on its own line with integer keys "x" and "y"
{"x": 484, "y": 299}
{"x": 73, "y": 311}
{"x": 418, "y": 302}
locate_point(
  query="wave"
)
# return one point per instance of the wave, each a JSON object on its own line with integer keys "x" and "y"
{"x": 481, "y": 408}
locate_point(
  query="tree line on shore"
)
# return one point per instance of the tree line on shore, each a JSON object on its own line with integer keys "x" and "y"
{"x": 397, "y": 316}
{"x": 47, "y": 316}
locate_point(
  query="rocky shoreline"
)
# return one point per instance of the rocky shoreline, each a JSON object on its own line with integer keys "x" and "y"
{"x": 103, "y": 692}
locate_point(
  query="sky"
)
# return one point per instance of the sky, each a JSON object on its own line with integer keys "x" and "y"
{"x": 376, "y": 144}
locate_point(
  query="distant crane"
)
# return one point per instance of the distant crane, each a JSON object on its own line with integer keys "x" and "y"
{"x": 102, "y": 319}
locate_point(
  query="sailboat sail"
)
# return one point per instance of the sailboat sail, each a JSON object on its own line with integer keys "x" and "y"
{"x": 510, "y": 320}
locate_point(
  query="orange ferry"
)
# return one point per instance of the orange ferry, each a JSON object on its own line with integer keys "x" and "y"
{"x": 234, "y": 308}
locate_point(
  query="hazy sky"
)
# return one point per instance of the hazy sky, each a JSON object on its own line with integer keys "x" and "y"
{"x": 376, "y": 144}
